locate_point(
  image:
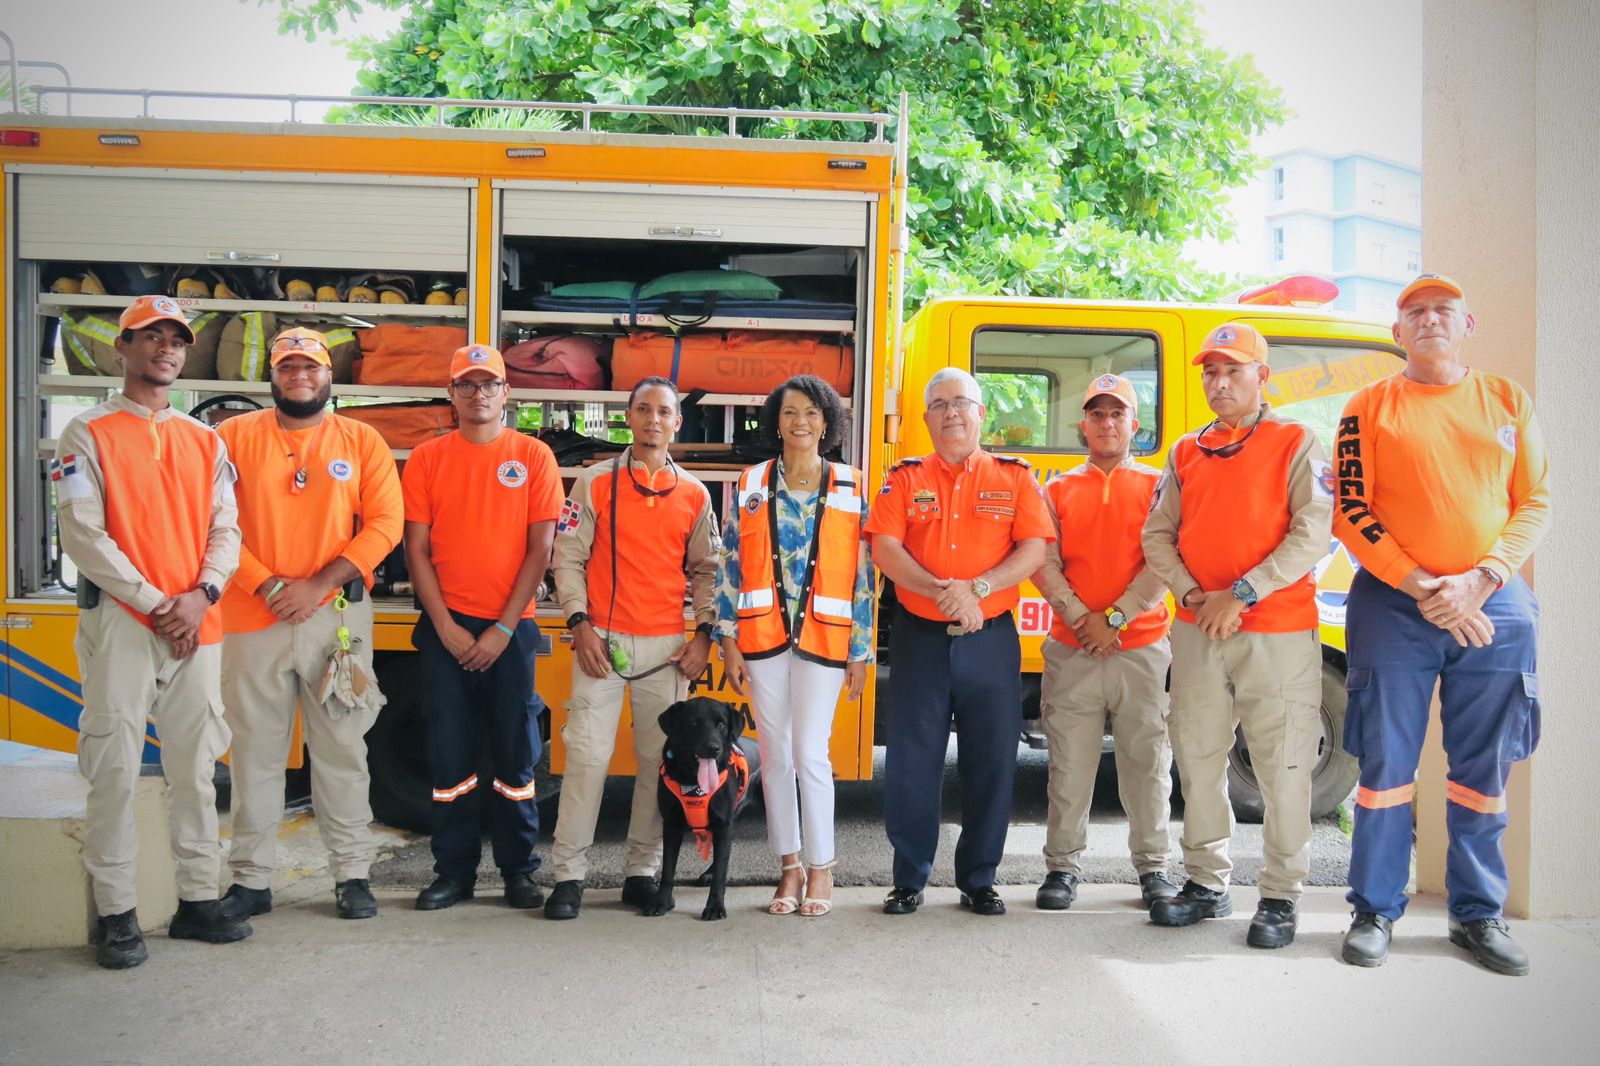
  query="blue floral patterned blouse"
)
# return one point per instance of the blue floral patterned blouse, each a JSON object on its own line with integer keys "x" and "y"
{"x": 797, "y": 521}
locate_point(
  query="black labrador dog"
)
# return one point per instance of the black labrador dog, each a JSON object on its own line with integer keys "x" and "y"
{"x": 703, "y": 777}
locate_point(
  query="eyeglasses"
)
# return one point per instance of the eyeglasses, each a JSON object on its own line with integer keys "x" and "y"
{"x": 467, "y": 389}
{"x": 299, "y": 344}
{"x": 1226, "y": 451}
{"x": 960, "y": 405}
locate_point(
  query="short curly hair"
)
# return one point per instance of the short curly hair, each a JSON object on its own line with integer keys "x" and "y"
{"x": 819, "y": 392}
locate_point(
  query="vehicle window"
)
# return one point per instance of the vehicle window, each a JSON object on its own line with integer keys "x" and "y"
{"x": 1033, "y": 384}
{"x": 1312, "y": 380}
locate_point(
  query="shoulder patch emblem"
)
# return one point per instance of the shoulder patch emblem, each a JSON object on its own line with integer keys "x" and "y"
{"x": 570, "y": 513}
{"x": 340, "y": 470}
{"x": 1507, "y": 436}
{"x": 1322, "y": 480}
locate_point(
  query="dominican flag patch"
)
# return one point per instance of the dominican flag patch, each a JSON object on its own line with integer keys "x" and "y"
{"x": 69, "y": 477}
{"x": 568, "y": 522}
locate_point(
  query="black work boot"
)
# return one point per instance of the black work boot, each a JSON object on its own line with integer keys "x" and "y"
{"x": 985, "y": 901}
{"x": 1274, "y": 924}
{"x": 1154, "y": 886}
{"x": 639, "y": 890}
{"x": 566, "y": 899}
{"x": 354, "y": 899}
{"x": 522, "y": 893}
{"x": 242, "y": 902}
{"x": 1058, "y": 891}
{"x": 446, "y": 891}
{"x": 118, "y": 943}
{"x": 1489, "y": 940}
{"x": 1367, "y": 942}
{"x": 204, "y": 920}
{"x": 1193, "y": 903}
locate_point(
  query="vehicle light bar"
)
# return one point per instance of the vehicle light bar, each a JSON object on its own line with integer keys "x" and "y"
{"x": 1300, "y": 290}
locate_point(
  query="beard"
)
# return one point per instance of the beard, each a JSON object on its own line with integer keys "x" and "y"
{"x": 301, "y": 408}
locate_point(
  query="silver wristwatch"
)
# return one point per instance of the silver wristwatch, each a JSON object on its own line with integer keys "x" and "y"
{"x": 980, "y": 588}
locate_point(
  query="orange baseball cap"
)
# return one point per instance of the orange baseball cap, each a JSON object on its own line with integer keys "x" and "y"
{"x": 1429, "y": 281}
{"x": 148, "y": 309}
{"x": 302, "y": 342}
{"x": 1112, "y": 385}
{"x": 1234, "y": 341}
{"x": 477, "y": 357}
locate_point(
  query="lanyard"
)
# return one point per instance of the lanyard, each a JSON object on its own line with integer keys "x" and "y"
{"x": 619, "y": 658}
{"x": 298, "y": 485}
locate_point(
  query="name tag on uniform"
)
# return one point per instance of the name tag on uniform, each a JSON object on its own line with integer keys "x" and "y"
{"x": 997, "y": 509}
{"x": 995, "y": 494}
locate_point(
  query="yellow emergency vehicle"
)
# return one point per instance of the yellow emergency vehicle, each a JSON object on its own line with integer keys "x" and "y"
{"x": 253, "y": 226}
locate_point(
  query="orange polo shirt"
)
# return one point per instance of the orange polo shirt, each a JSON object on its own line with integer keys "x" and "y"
{"x": 479, "y": 500}
{"x": 350, "y": 475}
{"x": 1102, "y": 516}
{"x": 959, "y": 521}
{"x": 1445, "y": 477}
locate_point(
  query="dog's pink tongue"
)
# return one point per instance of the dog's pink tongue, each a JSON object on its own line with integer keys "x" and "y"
{"x": 706, "y": 777}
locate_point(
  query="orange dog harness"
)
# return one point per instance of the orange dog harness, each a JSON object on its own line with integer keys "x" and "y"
{"x": 696, "y": 802}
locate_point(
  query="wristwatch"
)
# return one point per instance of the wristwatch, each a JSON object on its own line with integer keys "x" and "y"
{"x": 1116, "y": 619}
{"x": 574, "y": 618}
{"x": 1244, "y": 593}
{"x": 707, "y": 630}
{"x": 980, "y": 587}
{"x": 1492, "y": 576}
{"x": 213, "y": 594}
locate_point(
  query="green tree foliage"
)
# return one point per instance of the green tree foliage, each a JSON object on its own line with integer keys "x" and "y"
{"x": 1059, "y": 147}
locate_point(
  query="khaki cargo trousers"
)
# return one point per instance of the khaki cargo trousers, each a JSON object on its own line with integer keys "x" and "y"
{"x": 1269, "y": 685}
{"x": 266, "y": 674}
{"x": 129, "y": 675}
{"x": 1077, "y": 693}
{"x": 594, "y": 713}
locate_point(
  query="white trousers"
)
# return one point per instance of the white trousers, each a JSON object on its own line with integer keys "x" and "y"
{"x": 794, "y": 702}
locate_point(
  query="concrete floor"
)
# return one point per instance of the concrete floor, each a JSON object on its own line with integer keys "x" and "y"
{"x": 481, "y": 983}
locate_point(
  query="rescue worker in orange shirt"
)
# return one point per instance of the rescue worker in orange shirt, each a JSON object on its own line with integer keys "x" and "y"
{"x": 634, "y": 533}
{"x": 956, "y": 531}
{"x": 1443, "y": 494}
{"x": 481, "y": 510}
{"x": 145, "y": 506}
{"x": 319, "y": 508}
{"x": 1107, "y": 653}
{"x": 1242, "y": 514}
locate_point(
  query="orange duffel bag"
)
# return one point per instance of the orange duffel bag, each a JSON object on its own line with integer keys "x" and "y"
{"x": 395, "y": 354}
{"x": 750, "y": 361}
{"x": 405, "y": 425}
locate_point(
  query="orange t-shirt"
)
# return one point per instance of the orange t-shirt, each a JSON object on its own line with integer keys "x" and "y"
{"x": 1102, "y": 516}
{"x": 1235, "y": 513}
{"x": 350, "y": 475}
{"x": 959, "y": 521}
{"x": 479, "y": 500}
{"x": 1445, "y": 477}
{"x": 159, "y": 478}
{"x": 653, "y": 535}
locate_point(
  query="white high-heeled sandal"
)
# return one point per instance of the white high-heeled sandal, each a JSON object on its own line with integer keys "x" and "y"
{"x": 825, "y": 904}
{"x": 787, "y": 904}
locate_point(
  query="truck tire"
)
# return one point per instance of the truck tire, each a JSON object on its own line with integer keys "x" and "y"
{"x": 1333, "y": 777}
{"x": 401, "y": 792}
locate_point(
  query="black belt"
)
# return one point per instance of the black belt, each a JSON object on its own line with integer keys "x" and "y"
{"x": 952, "y": 629}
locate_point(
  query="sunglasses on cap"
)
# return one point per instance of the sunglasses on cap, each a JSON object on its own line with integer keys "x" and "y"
{"x": 298, "y": 344}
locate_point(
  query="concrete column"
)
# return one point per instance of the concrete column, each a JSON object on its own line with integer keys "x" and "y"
{"x": 1511, "y": 146}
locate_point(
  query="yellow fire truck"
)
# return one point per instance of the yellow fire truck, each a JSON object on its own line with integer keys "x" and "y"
{"x": 256, "y": 225}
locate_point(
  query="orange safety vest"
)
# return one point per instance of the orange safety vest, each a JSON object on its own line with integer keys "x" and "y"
{"x": 697, "y": 805}
{"x": 830, "y": 580}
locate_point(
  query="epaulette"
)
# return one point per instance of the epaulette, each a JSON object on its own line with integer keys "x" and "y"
{"x": 910, "y": 460}
{"x": 1013, "y": 459}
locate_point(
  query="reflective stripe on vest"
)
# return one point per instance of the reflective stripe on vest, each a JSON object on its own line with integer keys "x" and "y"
{"x": 829, "y": 591}
{"x": 255, "y": 347}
